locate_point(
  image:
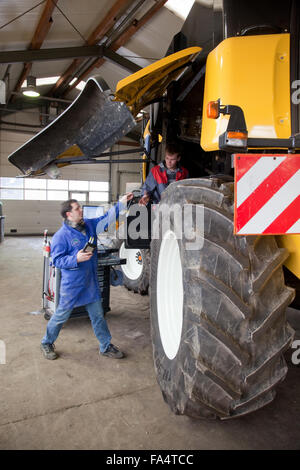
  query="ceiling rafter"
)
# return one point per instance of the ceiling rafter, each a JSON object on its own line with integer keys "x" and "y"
{"x": 35, "y": 55}
{"x": 103, "y": 27}
{"x": 38, "y": 38}
{"x": 120, "y": 41}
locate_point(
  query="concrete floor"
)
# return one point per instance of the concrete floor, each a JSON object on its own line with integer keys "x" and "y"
{"x": 82, "y": 401}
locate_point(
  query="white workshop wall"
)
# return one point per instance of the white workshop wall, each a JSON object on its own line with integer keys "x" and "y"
{"x": 31, "y": 217}
{"x": 123, "y": 173}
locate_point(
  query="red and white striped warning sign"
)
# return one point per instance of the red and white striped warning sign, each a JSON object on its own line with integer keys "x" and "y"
{"x": 267, "y": 194}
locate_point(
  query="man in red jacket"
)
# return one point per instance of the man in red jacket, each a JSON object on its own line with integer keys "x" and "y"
{"x": 162, "y": 175}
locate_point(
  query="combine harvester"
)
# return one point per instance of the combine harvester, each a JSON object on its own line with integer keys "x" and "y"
{"x": 228, "y": 91}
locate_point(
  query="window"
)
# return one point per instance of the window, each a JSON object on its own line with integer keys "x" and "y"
{"x": 78, "y": 185}
{"x": 57, "y": 184}
{"x": 32, "y": 183}
{"x": 11, "y": 182}
{"x": 180, "y": 9}
{"x": 79, "y": 196}
{"x": 99, "y": 186}
{"x": 57, "y": 195}
{"x": 11, "y": 193}
{"x": 97, "y": 196}
{"x": 35, "y": 189}
{"x": 34, "y": 195}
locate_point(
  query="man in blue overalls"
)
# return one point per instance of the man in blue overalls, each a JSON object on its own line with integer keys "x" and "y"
{"x": 79, "y": 281}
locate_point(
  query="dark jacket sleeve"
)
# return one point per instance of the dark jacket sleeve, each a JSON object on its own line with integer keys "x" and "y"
{"x": 149, "y": 184}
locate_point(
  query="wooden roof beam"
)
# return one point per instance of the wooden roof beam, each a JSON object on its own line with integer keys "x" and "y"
{"x": 107, "y": 23}
{"x": 40, "y": 33}
{"x": 44, "y": 25}
{"x": 120, "y": 41}
{"x": 103, "y": 27}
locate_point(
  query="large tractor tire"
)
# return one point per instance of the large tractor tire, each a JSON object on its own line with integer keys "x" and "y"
{"x": 218, "y": 320}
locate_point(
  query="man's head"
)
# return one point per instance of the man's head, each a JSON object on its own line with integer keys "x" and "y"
{"x": 172, "y": 156}
{"x": 71, "y": 210}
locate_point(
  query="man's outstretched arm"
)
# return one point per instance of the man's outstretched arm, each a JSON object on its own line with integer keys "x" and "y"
{"x": 112, "y": 215}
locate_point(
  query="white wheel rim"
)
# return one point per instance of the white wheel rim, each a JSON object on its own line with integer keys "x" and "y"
{"x": 134, "y": 265}
{"x": 170, "y": 294}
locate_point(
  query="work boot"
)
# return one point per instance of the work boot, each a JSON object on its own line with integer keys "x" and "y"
{"x": 48, "y": 351}
{"x": 113, "y": 352}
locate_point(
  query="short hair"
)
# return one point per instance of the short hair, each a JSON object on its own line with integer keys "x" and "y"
{"x": 66, "y": 206}
{"x": 173, "y": 147}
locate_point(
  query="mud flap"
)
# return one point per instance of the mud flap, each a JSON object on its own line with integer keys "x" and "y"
{"x": 93, "y": 122}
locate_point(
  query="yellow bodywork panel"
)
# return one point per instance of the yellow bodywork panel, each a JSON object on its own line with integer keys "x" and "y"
{"x": 292, "y": 244}
{"x": 150, "y": 83}
{"x": 73, "y": 151}
{"x": 146, "y": 136}
{"x": 252, "y": 72}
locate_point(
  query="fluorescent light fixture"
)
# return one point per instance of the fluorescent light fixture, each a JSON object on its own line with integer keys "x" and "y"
{"x": 80, "y": 85}
{"x": 31, "y": 93}
{"x": 46, "y": 81}
{"x": 43, "y": 81}
{"x": 31, "y": 90}
{"x": 179, "y": 7}
{"x": 73, "y": 81}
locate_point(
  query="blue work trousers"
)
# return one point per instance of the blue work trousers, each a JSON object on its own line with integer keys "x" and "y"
{"x": 98, "y": 321}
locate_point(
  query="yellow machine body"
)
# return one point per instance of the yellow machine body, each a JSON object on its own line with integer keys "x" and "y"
{"x": 252, "y": 72}
{"x": 292, "y": 244}
{"x": 144, "y": 165}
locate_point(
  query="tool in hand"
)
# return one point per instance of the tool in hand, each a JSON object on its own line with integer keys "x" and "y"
{"x": 90, "y": 246}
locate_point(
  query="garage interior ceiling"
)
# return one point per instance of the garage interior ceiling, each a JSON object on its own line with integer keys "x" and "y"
{"x": 74, "y": 40}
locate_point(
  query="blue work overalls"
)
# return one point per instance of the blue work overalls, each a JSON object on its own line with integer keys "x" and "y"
{"x": 79, "y": 282}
